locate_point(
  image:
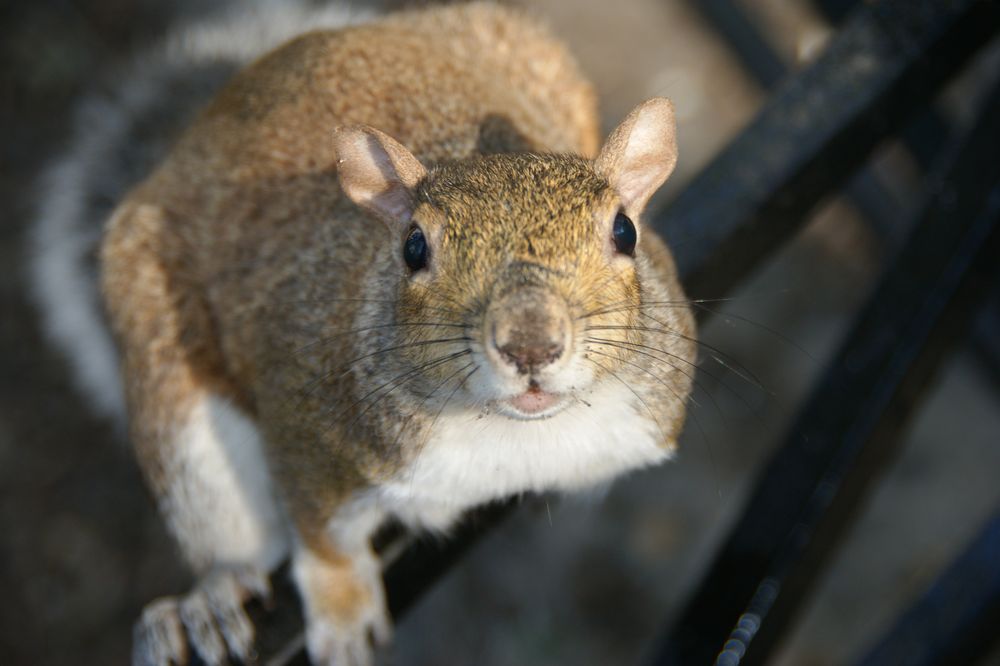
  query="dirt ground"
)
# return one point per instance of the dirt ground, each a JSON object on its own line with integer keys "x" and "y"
{"x": 580, "y": 581}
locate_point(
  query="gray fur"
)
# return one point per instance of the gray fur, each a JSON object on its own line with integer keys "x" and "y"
{"x": 117, "y": 137}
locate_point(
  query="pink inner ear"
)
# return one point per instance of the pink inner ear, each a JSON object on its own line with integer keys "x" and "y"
{"x": 377, "y": 173}
{"x": 640, "y": 154}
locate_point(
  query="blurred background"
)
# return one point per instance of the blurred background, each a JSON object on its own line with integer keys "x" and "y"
{"x": 589, "y": 580}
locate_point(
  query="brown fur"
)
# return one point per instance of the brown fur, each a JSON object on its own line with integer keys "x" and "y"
{"x": 238, "y": 266}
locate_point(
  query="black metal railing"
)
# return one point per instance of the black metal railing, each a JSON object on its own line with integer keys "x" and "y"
{"x": 876, "y": 79}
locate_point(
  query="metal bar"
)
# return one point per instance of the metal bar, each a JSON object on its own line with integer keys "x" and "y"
{"x": 742, "y": 36}
{"x": 816, "y": 130}
{"x": 845, "y": 435}
{"x": 928, "y": 131}
{"x": 864, "y": 189}
{"x": 957, "y": 620}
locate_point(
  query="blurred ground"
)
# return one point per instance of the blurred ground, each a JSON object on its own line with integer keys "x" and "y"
{"x": 580, "y": 581}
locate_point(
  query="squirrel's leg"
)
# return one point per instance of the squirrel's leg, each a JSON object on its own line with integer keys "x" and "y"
{"x": 201, "y": 455}
{"x": 339, "y": 577}
{"x": 213, "y": 488}
{"x": 211, "y": 481}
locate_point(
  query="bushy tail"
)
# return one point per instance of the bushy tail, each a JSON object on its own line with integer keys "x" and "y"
{"x": 117, "y": 139}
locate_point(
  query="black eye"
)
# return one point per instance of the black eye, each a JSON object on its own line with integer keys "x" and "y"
{"x": 623, "y": 233}
{"x": 415, "y": 250}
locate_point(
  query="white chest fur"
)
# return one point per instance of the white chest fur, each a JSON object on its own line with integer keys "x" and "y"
{"x": 473, "y": 458}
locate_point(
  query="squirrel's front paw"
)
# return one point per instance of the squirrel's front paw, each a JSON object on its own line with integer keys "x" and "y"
{"x": 346, "y": 617}
{"x": 209, "y": 620}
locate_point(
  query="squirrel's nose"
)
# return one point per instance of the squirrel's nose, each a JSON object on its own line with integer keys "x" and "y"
{"x": 529, "y": 329}
{"x": 530, "y": 356}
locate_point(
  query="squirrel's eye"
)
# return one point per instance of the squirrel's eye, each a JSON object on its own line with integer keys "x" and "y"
{"x": 415, "y": 250}
{"x": 623, "y": 234}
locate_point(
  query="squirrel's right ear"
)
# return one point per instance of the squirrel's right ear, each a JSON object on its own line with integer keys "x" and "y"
{"x": 641, "y": 153}
{"x": 377, "y": 173}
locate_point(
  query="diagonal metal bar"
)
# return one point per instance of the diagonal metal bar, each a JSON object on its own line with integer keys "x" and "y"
{"x": 817, "y": 129}
{"x": 924, "y": 133}
{"x": 956, "y": 620}
{"x": 742, "y": 36}
{"x": 811, "y": 487}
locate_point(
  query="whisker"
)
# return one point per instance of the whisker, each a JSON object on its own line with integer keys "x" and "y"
{"x": 637, "y": 396}
{"x": 699, "y": 303}
{"x": 624, "y": 305}
{"x": 440, "y": 410}
{"x": 693, "y": 378}
{"x": 396, "y": 383}
{"x": 632, "y": 347}
{"x": 756, "y": 324}
{"x": 737, "y": 368}
{"x": 648, "y": 372}
{"x": 697, "y": 421}
{"x": 430, "y": 395}
{"x": 441, "y": 293}
{"x": 337, "y": 334}
{"x": 312, "y": 384}
{"x": 642, "y": 346}
{"x": 331, "y": 299}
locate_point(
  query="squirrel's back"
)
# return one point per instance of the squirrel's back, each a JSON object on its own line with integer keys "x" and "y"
{"x": 120, "y": 131}
{"x": 429, "y": 78}
{"x": 505, "y": 61}
{"x": 236, "y": 215}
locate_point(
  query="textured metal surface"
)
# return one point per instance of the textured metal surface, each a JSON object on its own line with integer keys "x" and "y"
{"x": 816, "y": 130}
{"x": 810, "y": 488}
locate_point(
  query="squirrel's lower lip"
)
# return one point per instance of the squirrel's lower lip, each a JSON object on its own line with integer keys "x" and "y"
{"x": 534, "y": 404}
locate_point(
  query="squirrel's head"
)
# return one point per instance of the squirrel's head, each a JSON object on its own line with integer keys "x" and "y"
{"x": 509, "y": 263}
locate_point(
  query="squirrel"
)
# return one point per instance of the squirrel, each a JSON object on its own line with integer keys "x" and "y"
{"x": 387, "y": 271}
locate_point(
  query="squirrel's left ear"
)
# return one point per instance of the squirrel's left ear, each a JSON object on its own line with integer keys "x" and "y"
{"x": 641, "y": 153}
{"x": 377, "y": 173}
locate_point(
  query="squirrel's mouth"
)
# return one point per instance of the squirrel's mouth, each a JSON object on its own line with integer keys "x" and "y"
{"x": 534, "y": 403}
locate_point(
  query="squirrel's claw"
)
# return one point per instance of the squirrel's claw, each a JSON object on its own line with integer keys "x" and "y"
{"x": 210, "y": 619}
{"x": 158, "y": 636}
{"x": 338, "y": 645}
{"x": 346, "y": 614}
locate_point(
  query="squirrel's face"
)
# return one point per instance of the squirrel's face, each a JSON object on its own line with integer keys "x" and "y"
{"x": 523, "y": 254}
{"x": 519, "y": 282}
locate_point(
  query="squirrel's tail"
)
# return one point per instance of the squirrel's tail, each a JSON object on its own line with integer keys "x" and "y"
{"x": 117, "y": 139}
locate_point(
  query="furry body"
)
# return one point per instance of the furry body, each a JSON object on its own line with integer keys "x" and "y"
{"x": 290, "y": 382}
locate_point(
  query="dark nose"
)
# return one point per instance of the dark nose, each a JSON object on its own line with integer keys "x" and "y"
{"x": 530, "y": 355}
{"x": 529, "y": 329}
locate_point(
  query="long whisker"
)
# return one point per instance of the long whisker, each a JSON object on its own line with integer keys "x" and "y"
{"x": 756, "y": 324}
{"x": 647, "y": 371}
{"x": 625, "y": 304}
{"x": 642, "y": 346}
{"x": 722, "y": 358}
{"x": 430, "y": 429}
{"x": 337, "y": 334}
{"x": 697, "y": 421}
{"x": 313, "y": 383}
{"x": 637, "y": 396}
{"x": 308, "y": 301}
{"x": 699, "y": 303}
{"x": 428, "y": 397}
{"x": 637, "y": 348}
{"x": 440, "y": 293}
{"x": 396, "y": 383}
{"x": 619, "y": 345}
{"x": 694, "y": 380}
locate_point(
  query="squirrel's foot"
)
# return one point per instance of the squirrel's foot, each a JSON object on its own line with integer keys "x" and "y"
{"x": 346, "y": 616}
{"x": 210, "y": 620}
